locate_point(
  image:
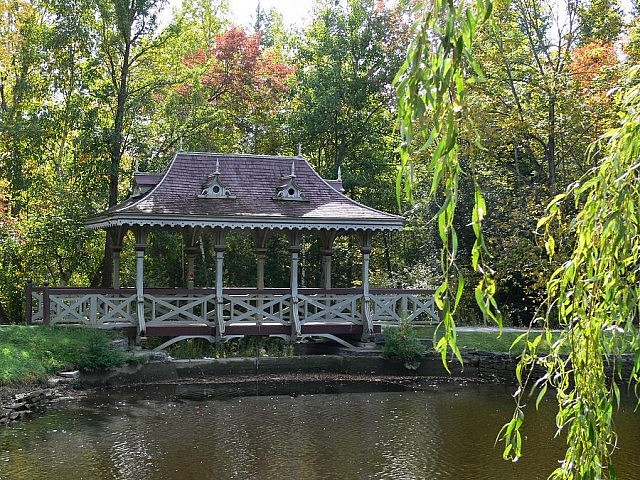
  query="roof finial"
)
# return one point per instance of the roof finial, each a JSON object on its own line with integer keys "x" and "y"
{"x": 293, "y": 169}
{"x": 299, "y": 149}
{"x": 180, "y": 147}
{"x": 217, "y": 172}
{"x": 137, "y": 165}
{"x": 340, "y": 172}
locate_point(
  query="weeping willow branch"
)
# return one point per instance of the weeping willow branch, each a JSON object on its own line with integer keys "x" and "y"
{"x": 431, "y": 96}
{"x": 595, "y": 298}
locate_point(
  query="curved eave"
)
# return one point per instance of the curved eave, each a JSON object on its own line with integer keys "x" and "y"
{"x": 391, "y": 223}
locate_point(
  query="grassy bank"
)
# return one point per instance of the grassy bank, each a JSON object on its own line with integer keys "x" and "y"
{"x": 30, "y": 353}
{"x": 486, "y": 340}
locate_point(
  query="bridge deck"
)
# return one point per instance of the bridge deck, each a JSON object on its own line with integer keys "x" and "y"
{"x": 241, "y": 311}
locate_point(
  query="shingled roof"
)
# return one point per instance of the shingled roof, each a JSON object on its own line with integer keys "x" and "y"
{"x": 252, "y": 184}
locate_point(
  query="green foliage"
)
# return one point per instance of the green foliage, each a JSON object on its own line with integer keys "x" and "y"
{"x": 31, "y": 353}
{"x": 403, "y": 343}
{"x": 595, "y": 298}
{"x": 343, "y": 115}
{"x": 431, "y": 97}
{"x": 252, "y": 346}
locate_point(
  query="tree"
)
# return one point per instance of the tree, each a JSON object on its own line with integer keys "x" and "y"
{"x": 345, "y": 64}
{"x": 594, "y": 296}
{"x": 125, "y": 31}
{"x": 600, "y": 20}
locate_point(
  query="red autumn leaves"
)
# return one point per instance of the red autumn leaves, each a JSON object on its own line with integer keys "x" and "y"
{"x": 237, "y": 68}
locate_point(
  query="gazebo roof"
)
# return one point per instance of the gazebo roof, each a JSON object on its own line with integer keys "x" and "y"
{"x": 242, "y": 191}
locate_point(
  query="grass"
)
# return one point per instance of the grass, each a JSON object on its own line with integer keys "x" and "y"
{"x": 30, "y": 353}
{"x": 490, "y": 340}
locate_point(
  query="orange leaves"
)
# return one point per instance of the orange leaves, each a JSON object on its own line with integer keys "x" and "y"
{"x": 589, "y": 61}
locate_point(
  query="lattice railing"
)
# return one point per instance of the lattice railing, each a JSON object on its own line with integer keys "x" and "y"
{"x": 330, "y": 308}
{"x": 77, "y": 308}
{"x": 178, "y": 309}
{"x": 393, "y": 306}
{"x": 256, "y": 308}
{"x": 103, "y": 308}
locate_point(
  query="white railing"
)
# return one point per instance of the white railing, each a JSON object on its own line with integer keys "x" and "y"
{"x": 179, "y": 309}
{"x": 101, "y": 308}
{"x": 330, "y": 308}
{"x": 73, "y": 307}
{"x": 257, "y": 308}
{"x": 394, "y": 306}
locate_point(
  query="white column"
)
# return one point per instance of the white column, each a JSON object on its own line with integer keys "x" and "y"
{"x": 219, "y": 248}
{"x": 326, "y": 268}
{"x": 295, "y": 239}
{"x": 141, "y": 246}
{"x": 367, "y": 321}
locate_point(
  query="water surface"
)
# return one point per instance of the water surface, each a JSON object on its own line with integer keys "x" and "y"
{"x": 447, "y": 432}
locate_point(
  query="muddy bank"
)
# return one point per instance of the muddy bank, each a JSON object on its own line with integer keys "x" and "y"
{"x": 22, "y": 401}
{"x": 478, "y": 366}
{"x": 297, "y": 375}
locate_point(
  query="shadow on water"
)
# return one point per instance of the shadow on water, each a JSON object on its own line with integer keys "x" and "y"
{"x": 320, "y": 431}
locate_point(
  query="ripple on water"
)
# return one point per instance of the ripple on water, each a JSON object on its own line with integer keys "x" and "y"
{"x": 446, "y": 433}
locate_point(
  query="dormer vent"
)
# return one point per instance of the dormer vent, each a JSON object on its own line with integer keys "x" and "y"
{"x": 213, "y": 187}
{"x": 290, "y": 190}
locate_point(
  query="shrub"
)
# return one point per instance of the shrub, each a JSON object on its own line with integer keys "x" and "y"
{"x": 402, "y": 343}
{"x": 98, "y": 354}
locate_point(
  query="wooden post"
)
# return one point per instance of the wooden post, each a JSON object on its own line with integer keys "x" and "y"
{"x": 327, "y": 238}
{"x": 190, "y": 239}
{"x": 46, "y": 304}
{"x": 295, "y": 239}
{"x": 220, "y": 247}
{"x": 367, "y": 322}
{"x": 116, "y": 235}
{"x": 260, "y": 249}
{"x": 260, "y": 237}
{"x": 116, "y": 267}
{"x": 28, "y": 303}
{"x": 326, "y": 268}
{"x": 140, "y": 247}
{"x": 261, "y": 255}
{"x": 192, "y": 252}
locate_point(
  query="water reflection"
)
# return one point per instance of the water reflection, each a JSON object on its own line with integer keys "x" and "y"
{"x": 445, "y": 433}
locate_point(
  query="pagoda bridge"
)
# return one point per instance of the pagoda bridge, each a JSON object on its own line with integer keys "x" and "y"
{"x": 214, "y": 194}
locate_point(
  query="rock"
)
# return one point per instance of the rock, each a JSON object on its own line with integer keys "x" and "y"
{"x": 122, "y": 344}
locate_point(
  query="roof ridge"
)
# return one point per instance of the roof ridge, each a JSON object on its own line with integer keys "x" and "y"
{"x": 240, "y": 155}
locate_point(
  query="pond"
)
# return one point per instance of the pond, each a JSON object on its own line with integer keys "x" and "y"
{"x": 445, "y": 432}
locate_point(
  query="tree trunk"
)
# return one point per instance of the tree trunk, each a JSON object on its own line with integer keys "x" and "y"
{"x": 550, "y": 151}
{"x": 4, "y": 318}
{"x": 116, "y": 150}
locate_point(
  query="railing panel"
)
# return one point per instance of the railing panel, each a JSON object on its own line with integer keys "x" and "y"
{"x": 37, "y": 307}
{"x": 104, "y": 308}
{"x": 330, "y": 308}
{"x": 94, "y": 310}
{"x": 179, "y": 309}
{"x": 257, "y": 308}
{"x": 393, "y": 307}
